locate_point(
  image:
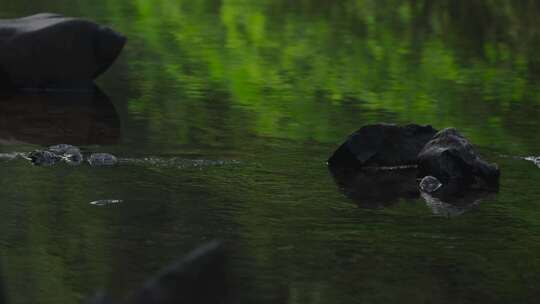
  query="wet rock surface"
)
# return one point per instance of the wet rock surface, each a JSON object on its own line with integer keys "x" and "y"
{"x": 382, "y": 145}
{"x": 72, "y": 51}
{"x": 451, "y": 158}
{"x": 65, "y": 153}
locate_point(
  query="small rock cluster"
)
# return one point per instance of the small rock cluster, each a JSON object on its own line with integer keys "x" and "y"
{"x": 69, "y": 154}
{"x": 446, "y": 161}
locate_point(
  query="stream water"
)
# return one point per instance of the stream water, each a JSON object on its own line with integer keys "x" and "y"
{"x": 223, "y": 113}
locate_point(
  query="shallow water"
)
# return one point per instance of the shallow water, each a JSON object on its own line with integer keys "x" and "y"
{"x": 223, "y": 114}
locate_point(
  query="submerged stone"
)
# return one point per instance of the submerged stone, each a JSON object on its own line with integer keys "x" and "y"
{"x": 43, "y": 158}
{"x": 430, "y": 184}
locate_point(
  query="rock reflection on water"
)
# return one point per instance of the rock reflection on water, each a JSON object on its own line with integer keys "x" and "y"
{"x": 79, "y": 118}
{"x": 377, "y": 187}
{"x": 451, "y": 206}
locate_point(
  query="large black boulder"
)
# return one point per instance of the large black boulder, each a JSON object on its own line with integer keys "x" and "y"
{"x": 52, "y": 51}
{"x": 451, "y": 158}
{"x": 199, "y": 278}
{"x": 382, "y": 145}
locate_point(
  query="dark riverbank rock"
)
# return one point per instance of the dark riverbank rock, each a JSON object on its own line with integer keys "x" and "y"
{"x": 52, "y": 51}
{"x": 382, "y": 145}
{"x": 200, "y": 277}
{"x": 452, "y": 159}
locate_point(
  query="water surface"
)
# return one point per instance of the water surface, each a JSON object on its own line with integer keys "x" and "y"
{"x": 225, "y": 112}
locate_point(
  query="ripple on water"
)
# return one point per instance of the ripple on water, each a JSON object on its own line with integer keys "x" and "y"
{"x": 534, "y": 159}
{"x": 105, "y": 202}
{"x": 176, "y": 162}
{"x": 8, "y": 156}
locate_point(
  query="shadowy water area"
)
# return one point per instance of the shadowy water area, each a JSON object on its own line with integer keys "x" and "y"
{"x": 223, "y": 114}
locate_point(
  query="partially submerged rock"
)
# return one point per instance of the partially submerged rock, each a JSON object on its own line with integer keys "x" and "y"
{"x": 450, "y": 158}
{"x": 382, "y": 145}
{"x": 52, "y": 51}
{"x": 446, "y": 163}
{"x": 43, "y": 158}
{"x": 200, "y": 277}
{"x": 67, "y": 153}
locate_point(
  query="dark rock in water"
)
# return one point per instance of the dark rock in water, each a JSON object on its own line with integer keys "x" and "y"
{"x": 63, "y": 149}
{"x": 200, "y": 277}
{"x": 102, "y": 159}
{"x": 52, "y": 51}
{"x": 373, "y": 188}
{"x": 45, "y": 118}
{"x": 43, "y": 158}
{"x": 70, "y": 154}
{"x": 452, "y": 159}
{"x": 382, "y": 145}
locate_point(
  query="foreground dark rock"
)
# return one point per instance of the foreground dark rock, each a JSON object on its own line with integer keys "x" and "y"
{"x": 198, "y": 278}
{"x": 450, "y": 158}
{"x": 382, "y": 145}
{"x": 52, "y": 51}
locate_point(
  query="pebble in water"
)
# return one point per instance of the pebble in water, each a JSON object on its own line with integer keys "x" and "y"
{"x": 70, "y": 154}
{"x": 102, "y": 159}
{"x": 430, "y": 184}
{"x": 43, "y": 158}
{"x": 64, "y": 149}
{"x": 106, "y": 202}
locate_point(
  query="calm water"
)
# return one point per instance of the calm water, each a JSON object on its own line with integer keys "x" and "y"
{"x": 224, "y": 113}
